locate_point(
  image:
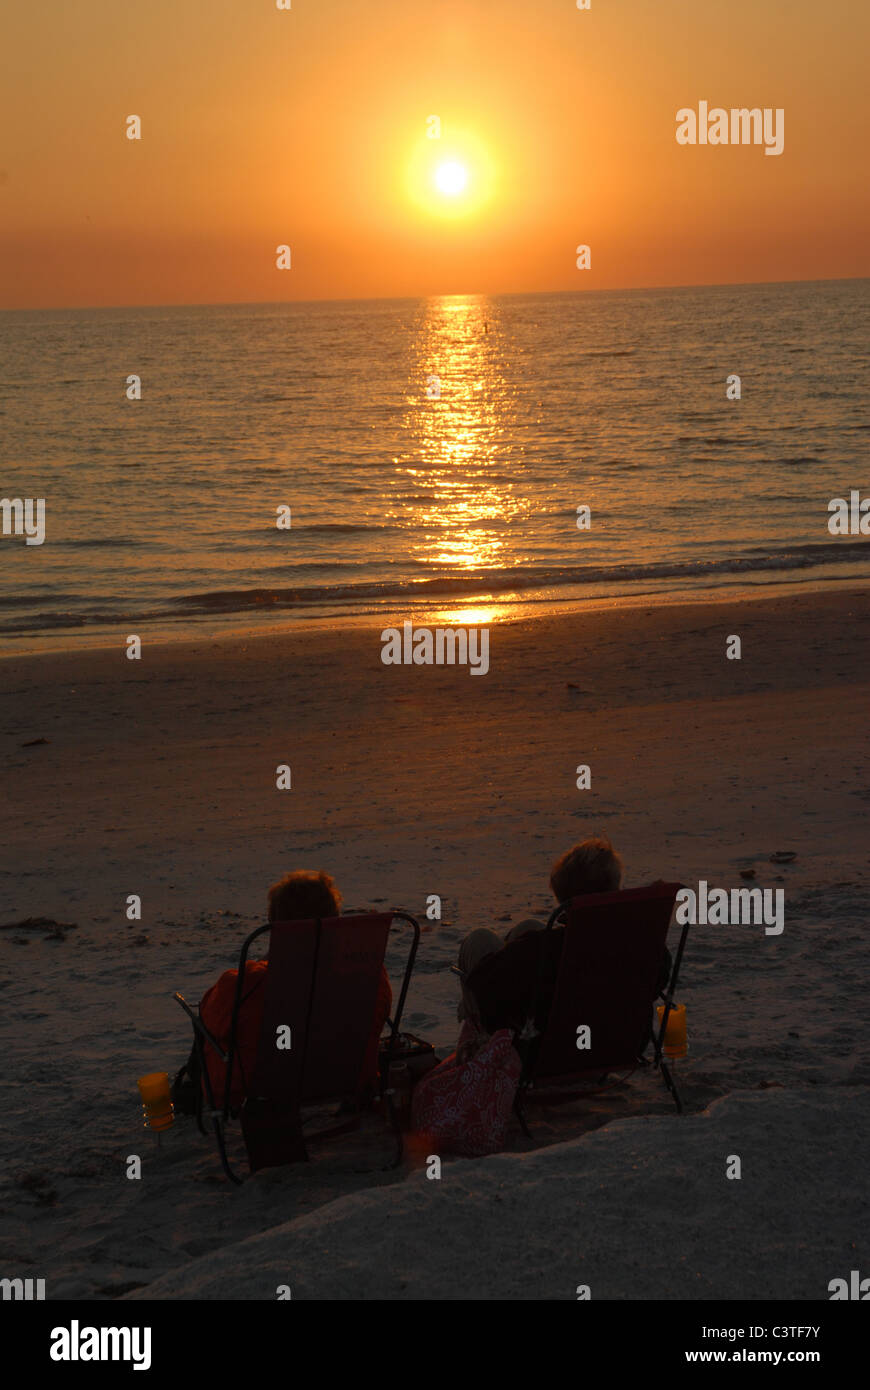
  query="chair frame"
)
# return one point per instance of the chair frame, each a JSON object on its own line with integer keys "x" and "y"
{"x": 658, "y": 1060}
{"x": 220, "y": 1116}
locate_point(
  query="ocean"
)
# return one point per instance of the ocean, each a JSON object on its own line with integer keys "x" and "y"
{"x": 433, "y": 455}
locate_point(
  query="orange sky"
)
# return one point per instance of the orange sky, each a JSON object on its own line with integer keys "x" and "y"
{"x": 305, "y": 127}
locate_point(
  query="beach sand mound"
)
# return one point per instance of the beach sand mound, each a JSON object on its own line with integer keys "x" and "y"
{"x": 640, "y": 1209}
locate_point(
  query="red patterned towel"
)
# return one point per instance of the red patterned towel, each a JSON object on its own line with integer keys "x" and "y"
{"x": 465, "y": 1108}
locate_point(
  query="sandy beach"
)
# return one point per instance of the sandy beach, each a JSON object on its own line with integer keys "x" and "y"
{"x": 157, "y": 777}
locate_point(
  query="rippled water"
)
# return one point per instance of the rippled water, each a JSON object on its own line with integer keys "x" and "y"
{"x": 160, "y": 513}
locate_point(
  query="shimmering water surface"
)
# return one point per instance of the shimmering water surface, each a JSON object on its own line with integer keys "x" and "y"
{"x": 160, "y": 513}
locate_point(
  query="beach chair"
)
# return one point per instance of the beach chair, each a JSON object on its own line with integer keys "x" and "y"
{"x": 607, "y": 975}
{"x": 321, "y": 984}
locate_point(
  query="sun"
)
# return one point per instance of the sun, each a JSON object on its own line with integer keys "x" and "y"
{"x": 451, "y": 178}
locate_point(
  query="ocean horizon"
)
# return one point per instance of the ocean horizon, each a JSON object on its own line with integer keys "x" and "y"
{"x": 432, "y": 453}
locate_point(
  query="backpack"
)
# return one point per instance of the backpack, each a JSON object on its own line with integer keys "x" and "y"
{"x": 186, "y": 1092}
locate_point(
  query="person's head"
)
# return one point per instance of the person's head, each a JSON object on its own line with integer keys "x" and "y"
{"x": 593, "y": 866}
{"x": 303, "y": 895}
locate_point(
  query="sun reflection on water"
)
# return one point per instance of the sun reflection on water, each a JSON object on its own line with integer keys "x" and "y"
{"x": 458, "y": 423}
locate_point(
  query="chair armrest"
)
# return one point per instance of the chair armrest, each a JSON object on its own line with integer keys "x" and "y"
{"x": 199, "y": 1027}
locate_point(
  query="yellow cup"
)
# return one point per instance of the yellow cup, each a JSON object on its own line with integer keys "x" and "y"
{"x": 156, "y": 1102}
{"x": 676, "y": 1041}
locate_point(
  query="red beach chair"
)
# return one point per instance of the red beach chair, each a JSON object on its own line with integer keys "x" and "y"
{"x": 609, "y": 967}
{"x": 322, "y": 985}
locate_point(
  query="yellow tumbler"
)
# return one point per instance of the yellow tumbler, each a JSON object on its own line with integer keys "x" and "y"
{"x": 676, "y": 1042}
{"x": 156, "y": 1102}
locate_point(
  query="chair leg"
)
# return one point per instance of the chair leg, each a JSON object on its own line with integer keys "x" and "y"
{"x": 395, "y": 1121}
{"x": 217, "y": 1122}
{"x": 400, "y": 1152}
{"x": 671, "y": 1085}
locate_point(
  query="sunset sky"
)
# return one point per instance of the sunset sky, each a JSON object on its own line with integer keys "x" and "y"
{"x": 308, "y": 127}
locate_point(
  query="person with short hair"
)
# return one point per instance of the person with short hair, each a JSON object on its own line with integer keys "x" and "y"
{"x": 302, "y": 896}
{"x": 593, "y": 866}
{"x": 502, "y": 977}
{"x": 297, "y": 897}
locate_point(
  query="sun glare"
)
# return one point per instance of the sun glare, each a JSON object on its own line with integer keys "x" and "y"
{"x": 451, "y": 177}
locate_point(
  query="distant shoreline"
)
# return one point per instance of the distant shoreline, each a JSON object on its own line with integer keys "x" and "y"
{"x": 472, "y": 611}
